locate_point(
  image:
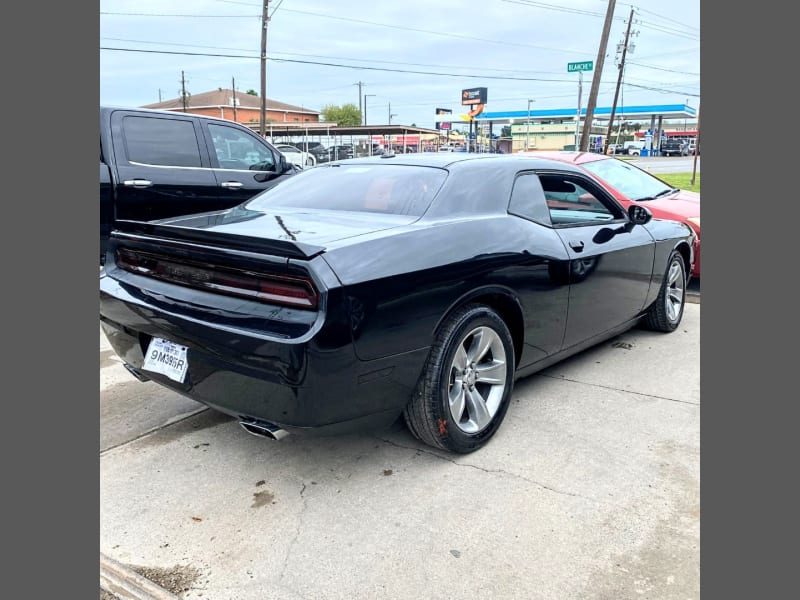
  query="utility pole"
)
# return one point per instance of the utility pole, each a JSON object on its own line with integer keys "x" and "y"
{"x": 578, "y": 116}
{"x": 365, "y": 106}
{"x": 264, "y": 23}
{"x": 159, "y": 94}
{"x": 360, "y": 107}
{"x": 696, "y": 146}
{"x": 601, "y": 54}
{"x": 621, "y": 67}
{"x": 528, "y": 126}
{"x": 233, "y": 87}
{"x": 183, "y": 92}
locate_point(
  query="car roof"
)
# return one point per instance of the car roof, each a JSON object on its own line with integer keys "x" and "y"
{"x": 110, "y": 108}
{"x": 568, "y": 156}
{"x": 450, "y": 159}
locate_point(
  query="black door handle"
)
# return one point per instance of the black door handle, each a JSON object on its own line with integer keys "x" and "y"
{"x": 577, "y": 246}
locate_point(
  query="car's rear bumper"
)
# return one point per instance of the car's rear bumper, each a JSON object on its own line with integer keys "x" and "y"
{"x": 300, "y": 386}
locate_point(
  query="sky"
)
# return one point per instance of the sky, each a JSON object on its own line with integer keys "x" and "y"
{"x": 518, "y": 49}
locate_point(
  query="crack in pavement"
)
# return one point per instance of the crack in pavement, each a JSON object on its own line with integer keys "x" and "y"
{"x": 625, "y": 509}
{"x": 608, "y": 387}
{"x": 491, "y": 471}
{"x": 296, "y": 534}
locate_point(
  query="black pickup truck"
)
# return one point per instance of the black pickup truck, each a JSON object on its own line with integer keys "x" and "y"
{"x": 157, "y": 164}
{"x": 674, "y": 147}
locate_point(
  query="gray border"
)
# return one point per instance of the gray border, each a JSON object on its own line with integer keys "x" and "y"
{"x": 748, "y": 546}
{"x": 50, "y": 218}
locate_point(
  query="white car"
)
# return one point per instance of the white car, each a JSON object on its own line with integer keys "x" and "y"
{"x": 633, "y": 148}
{"x": 297, "y": 156}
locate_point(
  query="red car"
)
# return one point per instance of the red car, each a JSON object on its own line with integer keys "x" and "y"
{"x": 630, "y": 184}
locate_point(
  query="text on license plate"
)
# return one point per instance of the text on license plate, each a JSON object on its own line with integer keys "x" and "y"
{"x": 167, "y": 358}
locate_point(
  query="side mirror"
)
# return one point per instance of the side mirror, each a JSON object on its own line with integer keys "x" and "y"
{"x": 283, "y": 164}
{"x": 604, "y": 235}
{"x": 639, "y": 215}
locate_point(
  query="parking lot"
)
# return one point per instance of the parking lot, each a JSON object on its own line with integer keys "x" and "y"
{"x": 590, "y": 490}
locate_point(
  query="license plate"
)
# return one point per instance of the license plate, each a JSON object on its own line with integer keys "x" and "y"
{"x": 167, "y": 358}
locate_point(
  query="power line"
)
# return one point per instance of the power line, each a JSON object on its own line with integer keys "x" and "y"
{"x": 389, "y": 70}
{"x": 638, "y": 64}
{"x": 655, "y": 14}
{"x": 361, "y": 21}
{"x": 130, "y": 14}
{"x": 669, "y": 30}
{"x": 251, "y": 4}
{"x": 655, "y": 89}
{"x": 328, "y": 64}
{"x": 431, "y": 32}
{"x": 276, "y": 8}
{"x": 565, "y": 9}
{"x": 577, "y": 11}
{"x": 388, "y": 62}
{"x": 671, "y": 52}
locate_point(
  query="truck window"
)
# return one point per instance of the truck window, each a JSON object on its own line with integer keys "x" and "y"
{"x": 238, "y": 150}
{"x": 156, "y": 141}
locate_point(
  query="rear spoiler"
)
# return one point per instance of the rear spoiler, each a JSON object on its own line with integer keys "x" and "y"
{"x": 124, "y": 229}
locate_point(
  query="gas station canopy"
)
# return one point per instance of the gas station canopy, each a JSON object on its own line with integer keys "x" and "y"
{"x": 602, "y": 113}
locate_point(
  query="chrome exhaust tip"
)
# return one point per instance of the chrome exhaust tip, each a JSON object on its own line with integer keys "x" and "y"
{"x": 264, "y": 429}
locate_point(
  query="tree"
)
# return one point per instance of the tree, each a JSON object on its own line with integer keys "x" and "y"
{"x": 505, "y": 131}
{"x": 252, "y": 92}
{"x": 346, "y": 115}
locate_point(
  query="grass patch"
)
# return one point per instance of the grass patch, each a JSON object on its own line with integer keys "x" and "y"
{"x": 681, "y": 180}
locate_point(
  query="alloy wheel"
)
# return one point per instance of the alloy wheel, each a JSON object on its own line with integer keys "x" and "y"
{"x": 477, "y": 379}
{"x": 674, "y": 297}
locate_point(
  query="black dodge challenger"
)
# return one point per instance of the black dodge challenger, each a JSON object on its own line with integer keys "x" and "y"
{"x": 420, "y": 285}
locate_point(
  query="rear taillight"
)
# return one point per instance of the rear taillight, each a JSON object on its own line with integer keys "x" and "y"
{"x": 264, "y": 287}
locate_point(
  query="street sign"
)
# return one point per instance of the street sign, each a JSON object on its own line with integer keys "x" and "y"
{"x": 586, "y": 65}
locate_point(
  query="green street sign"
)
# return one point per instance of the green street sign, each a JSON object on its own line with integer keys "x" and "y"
{"x": 586, "y": 65}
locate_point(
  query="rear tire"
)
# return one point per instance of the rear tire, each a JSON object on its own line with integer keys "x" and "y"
{"x": 464, "y": 391}
{"x": 666, "y": 312}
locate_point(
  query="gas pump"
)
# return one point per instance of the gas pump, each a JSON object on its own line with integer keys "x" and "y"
{"x": 648, "y": 143}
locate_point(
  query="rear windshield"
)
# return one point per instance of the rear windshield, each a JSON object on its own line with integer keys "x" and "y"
{"x": 390, "y": 189}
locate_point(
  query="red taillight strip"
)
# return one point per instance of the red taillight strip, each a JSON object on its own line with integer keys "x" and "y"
{"x": 264, "y": 287}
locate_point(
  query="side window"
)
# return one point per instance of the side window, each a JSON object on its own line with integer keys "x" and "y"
{"x": 528, "y": 199}
{"x": 238, "y": 150}
{"x": 574, "y": 201}
{"x": 157, "y": 141}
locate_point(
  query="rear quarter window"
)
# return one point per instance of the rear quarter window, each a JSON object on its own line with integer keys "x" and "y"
{"x": 388, "y": 189}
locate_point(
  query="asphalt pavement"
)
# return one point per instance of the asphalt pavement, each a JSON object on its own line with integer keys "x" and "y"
{"x": 590, "y": 490}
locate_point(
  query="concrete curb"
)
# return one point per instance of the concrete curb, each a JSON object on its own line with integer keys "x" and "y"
{"x": 127, "y": 584}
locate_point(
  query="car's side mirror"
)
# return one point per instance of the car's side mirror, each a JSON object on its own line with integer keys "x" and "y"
{"x": 604, "y": 235}
{"x": 639, "y": 215}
